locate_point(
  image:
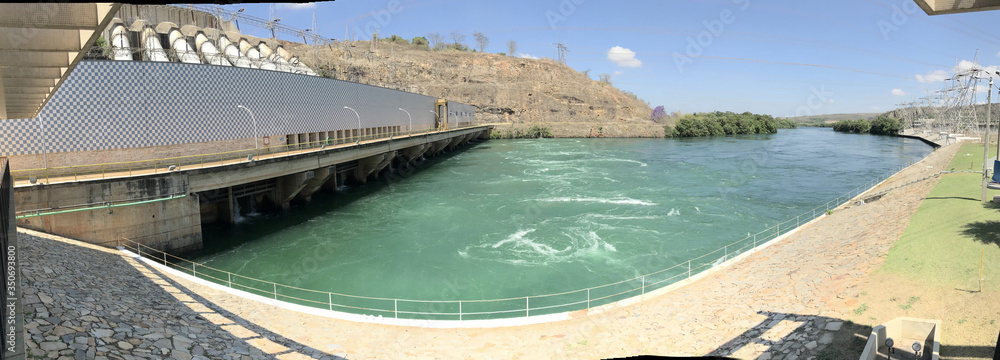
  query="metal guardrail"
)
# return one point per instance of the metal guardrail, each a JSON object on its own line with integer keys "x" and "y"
{"x": 496, "y": 308}
{"x": 128, "y": 168}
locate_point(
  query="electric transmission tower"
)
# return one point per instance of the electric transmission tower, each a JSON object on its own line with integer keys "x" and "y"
{"x": 561, "y": 49}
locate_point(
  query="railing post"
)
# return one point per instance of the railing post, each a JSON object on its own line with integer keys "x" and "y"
{"x": 644, "y": 285}
{"x": 727, "y": 253}
{"x": 330, "y": 299}
{"x": 139, "y": 248}
{"x": 689, "y": 269}
{"x": 229, "y": 279}
{"x": 275, "y": 290}
{"x": 155, "y": 167}
{"x": 194, "y": 269}
{"x": 755, "y": 240}
{"x": 164, "y": 259}
{"x": 588, "y": 298}
{"x": 395, "y": 307}
{"x": 527, "y": 306}
{"x": 460, "y": 310}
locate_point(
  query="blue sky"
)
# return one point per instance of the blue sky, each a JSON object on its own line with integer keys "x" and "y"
{"x": 782, "y": 57}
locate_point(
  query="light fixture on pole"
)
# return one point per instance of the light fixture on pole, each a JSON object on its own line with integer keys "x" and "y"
{"x": 359, "y": 118}
{"x": 410, "y": 128}
{"x": 254, "y": 119}
{"x": 271, "y": 24}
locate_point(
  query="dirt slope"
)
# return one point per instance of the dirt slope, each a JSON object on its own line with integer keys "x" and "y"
{"x": 507, "y": 90}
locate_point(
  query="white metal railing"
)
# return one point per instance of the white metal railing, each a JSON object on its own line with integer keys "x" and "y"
{"x": 580, "y": 299}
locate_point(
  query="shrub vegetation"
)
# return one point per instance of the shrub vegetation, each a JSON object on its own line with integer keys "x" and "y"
{"x": 881, "y": 125}
{"x": 725, "y": 123}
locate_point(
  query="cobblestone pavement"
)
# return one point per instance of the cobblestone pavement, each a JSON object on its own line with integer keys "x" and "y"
{"x": 87, "y": 302}
{"x": 784, "y": 302}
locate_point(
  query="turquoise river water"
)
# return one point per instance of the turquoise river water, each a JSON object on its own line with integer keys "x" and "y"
{"x": 515, "y": 218}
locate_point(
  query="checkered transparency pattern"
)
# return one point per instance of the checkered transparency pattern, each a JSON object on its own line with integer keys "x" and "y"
{"x": 129, "y": 104}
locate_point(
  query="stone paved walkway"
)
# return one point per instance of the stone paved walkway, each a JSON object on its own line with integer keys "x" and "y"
{"x": 784, "y": 302}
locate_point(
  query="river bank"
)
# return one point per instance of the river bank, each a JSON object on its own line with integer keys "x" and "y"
{"x": 585, "y": 129}
{"x": 789, "y": 298}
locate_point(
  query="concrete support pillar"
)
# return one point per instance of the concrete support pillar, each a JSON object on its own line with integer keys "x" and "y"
{"x": 320, "y": 176}
{"x": 333, "y": 181}
{"x": 303, "y": 139}
{"x": 292, "y": 140}
{"x": 414, "y": 152}
{"x": 313, "y": 138}
{"x": 227, "y": 211}
{"x": 287, "y": 187}
{"x": 370, "y": 165}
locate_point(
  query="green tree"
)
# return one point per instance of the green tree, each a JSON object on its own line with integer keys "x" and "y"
{"x": 398, "y": 39}
{"x": 421, "y": 42}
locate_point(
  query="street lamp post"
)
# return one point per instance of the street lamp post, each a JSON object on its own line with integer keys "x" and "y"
{"x": 359, "y": 120}
{"x": 254, "y": 119}
{"x": 409, "y": 129}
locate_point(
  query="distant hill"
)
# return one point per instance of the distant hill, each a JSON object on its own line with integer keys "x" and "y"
{"x": 510, "y": 91}
{"x": 820, "y": 120}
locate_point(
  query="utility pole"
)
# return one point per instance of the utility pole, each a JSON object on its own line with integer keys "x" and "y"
{"x": 988, "y": 119}
{"x": 986, "y": 138}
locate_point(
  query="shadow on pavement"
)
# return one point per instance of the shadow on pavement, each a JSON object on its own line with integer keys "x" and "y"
{"x": 234, "y": 319}
{"x": 793, "y": 336}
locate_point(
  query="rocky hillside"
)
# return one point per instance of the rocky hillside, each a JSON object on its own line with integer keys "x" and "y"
{"x": 512, "y": 92}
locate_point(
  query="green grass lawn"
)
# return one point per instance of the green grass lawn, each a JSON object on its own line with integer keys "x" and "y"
{"x": 946, "y": 236}
{"x": 970, "y": 158}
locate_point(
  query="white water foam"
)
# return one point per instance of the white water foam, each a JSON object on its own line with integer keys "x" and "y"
{"x": 520, "y": 249}
{"x": 674, "y": 212}
{"x": 641, "y": 164}
{"x": 618, "y": 200}
{"x": 622, "y": 217}
{"x": 521, "y": 242}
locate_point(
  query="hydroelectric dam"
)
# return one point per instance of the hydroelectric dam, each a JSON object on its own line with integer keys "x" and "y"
{"x": 179, "y": 117}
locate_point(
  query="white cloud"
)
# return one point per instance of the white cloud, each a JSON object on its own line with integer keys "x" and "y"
{"x": 618, "y": 72}
{"x": 623, "y": 57}
{"x": 963, "y": 66}
{"x": 898, "y": 92}
{"x": 296, "y": 6}
{"x": 935, "y": 76}
{"x": 982, "y": 89}
{"x": 527, "y": 56}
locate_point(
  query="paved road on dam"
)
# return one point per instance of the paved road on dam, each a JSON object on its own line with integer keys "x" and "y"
{"x": 784, "y": 301}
